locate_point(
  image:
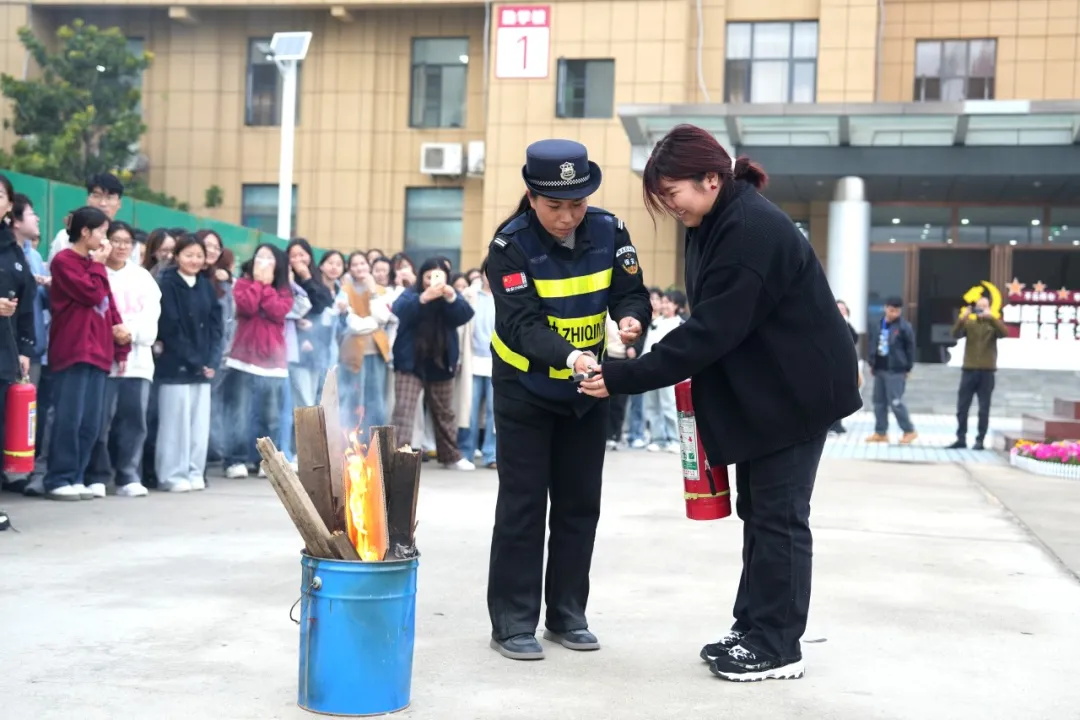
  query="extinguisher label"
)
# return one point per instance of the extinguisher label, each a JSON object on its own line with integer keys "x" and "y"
{"x": 31, "y": 425}
{"x": 688, "y": 441}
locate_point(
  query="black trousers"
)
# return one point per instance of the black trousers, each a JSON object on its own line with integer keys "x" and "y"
{"x": 974, "y": 383}
{"x": 774, "y": 504}
{"x": 542, "y": 453}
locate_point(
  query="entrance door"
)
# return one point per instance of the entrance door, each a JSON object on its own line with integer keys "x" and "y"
{"x": 944, "y": 276}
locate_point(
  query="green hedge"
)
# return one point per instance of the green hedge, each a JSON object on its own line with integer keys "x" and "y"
{"x": 53, "y": 201}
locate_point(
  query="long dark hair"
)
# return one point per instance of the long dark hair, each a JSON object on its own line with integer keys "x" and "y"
{"x": 281, "y": 267}
{"x": 431, "y": 328}
{"x": 688, "y": 152}
{"x": 153, "y": 244}
{"x": 313, "y": 267}
{"x": 524, "y": 205}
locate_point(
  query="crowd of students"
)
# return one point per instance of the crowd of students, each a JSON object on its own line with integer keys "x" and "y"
{"x": 154, "y": 354}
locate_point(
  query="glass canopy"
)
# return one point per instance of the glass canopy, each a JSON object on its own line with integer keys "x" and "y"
{"x": 972, "y": 123}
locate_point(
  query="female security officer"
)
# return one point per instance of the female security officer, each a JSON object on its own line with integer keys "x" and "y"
{"x": 557, "y": 267}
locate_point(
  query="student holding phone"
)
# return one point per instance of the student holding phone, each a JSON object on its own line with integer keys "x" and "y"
{"x": 426, "y": 353}
{"x": 556, "y": 268}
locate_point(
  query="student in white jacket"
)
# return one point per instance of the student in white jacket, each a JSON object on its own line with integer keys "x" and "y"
{"x": 138, "y": 298}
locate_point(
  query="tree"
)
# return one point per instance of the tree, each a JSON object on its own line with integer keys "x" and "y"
{"x": 81, "y": 115}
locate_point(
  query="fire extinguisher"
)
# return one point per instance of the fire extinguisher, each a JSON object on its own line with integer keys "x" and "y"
{"x": 705, "y": 488}
{"x": 20, "y": 427}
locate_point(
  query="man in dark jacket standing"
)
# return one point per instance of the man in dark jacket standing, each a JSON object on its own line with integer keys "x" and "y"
{"x": 894, "y": 356}
{"x": 772, "y": 367}
{"x": 982, "y": 330}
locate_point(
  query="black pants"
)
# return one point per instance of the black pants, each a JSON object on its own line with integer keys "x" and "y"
{"x": 774, "y": 504}
{"x": 541, "y": 452}
{"x": 974, "y": 383}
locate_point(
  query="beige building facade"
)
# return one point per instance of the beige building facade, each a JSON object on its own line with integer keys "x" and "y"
{"x": 383, "y": 79}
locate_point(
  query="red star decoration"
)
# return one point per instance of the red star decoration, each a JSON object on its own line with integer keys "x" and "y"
{"x": 1015, "y": 287}
{"x": 1064, "y": 294}
{"x": 1039, "y": 287}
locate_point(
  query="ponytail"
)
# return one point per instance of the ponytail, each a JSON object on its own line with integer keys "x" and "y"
{"x": 750, "y": 172}
{"x": 523, "y": 205}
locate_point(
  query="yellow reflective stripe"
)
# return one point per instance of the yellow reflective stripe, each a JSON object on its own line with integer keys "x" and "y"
{"x": 508, "y": 356}
{"x": 574, "y": 329}
{"x": 580, "y": 285}
{"x": 560, "y": 374}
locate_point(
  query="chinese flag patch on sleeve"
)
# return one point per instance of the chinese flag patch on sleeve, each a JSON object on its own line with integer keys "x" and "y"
{"x": 515, "y": 281}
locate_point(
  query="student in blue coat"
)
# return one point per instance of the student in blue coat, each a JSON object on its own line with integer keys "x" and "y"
{"x": 426, "y": 356}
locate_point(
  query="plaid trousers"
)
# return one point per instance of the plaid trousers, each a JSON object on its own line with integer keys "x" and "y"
{"x": 440, "y": 397}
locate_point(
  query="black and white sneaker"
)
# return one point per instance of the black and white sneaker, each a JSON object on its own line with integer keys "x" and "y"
{"x": 742, "y": 665}
{"x": 714, "y": 650}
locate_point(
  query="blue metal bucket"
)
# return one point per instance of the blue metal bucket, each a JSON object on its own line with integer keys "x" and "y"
{"x": 357, "y": 630}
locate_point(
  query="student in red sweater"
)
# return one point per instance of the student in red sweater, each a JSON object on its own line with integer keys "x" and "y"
{"x": 87, "y": 334}
{"x": 257, "y": 359}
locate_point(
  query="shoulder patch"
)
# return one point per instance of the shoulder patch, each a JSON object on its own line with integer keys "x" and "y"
{"x": 499, "y": 242}
{"x": 626, "y": 256}
{"x": 513, "y": 282}
{"x": 625, "y": 249}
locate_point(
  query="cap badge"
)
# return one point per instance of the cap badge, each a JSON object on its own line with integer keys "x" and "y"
{"x": 566, "y": 171}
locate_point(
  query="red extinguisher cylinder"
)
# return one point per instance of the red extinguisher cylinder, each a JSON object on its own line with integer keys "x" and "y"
{"x": 705, "y": 488}
{"x": 20, "y": 427}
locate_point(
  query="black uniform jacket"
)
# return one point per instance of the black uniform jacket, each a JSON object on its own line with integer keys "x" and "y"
{"x": 520, "y": 318}
{"x": 16, "y": 283}
{"x": 769, "y": 354}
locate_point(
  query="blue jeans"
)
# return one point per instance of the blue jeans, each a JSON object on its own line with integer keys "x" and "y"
{"x": 362, "y": 395}
{"x": 637, "y": 419}
{"x": 79, "y": 393}
{"x": 255, "y": 404}
{"x": 481, "y": 392}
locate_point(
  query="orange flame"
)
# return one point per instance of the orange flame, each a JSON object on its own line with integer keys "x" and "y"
{"x": 365, "y": 502}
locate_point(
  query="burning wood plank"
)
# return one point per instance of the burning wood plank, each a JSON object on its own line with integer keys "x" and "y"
{"x": 313, "y": 460}
{"x": 365, "y": 500}
{"x": 317, "y": 538}
{"x": 335, "y": 443}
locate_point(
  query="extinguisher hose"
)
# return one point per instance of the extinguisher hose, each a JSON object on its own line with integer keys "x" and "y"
{"x": 15, "y": 342}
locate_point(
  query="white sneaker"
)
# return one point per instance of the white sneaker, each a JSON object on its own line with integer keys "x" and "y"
{"x": 477, "y": 454}
{"x": 262, "y": 471}
{"x": 236, "y": 472}
{"x": 84, "y": 492}
{"x": 637, "y": 444}
{"x": 197, "y": 483}
{"x": 652, "y": 447}
{"x": 132, "y": 490}
{"x": 673, "y": 447}
{"x": 461, "y": 464}
{"x": 294, "y": 465}
{"x": 612, "y": 445}
{"x": 175, "y": 486}
{"x": 97, "y": 489}
{"x": 64, "y": 492}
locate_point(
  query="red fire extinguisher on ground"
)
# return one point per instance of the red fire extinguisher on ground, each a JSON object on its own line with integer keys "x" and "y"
{"x": 708, "y": 496}
{"x": 20, "y": 427}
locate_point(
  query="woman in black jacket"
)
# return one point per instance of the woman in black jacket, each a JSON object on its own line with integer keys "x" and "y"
{"x": 772, "y": 365}
{"x": 189, "y": 333}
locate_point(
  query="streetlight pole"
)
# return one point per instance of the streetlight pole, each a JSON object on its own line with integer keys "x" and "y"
{"x": 287, "y": 68}
{"x": 287, "y": 49}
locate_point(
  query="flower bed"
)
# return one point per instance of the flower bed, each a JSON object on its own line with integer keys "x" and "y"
{"x": 1056, "y": 459}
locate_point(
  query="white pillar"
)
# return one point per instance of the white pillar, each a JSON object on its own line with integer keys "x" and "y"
{"x": 288, "y": 141}
{"x": 848, "y": 259}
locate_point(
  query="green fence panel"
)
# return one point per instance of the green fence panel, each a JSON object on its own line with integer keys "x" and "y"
{"x": 53, "y": 201}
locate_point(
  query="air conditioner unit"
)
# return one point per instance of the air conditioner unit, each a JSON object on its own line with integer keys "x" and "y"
{"x": 440, "y": 158}
{"x": 475, "y": 162}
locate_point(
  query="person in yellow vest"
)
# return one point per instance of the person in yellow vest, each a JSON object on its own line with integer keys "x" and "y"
{"x": 556, "y": 268}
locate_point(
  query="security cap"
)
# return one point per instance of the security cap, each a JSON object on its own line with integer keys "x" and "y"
{"x": 560, "y": 169}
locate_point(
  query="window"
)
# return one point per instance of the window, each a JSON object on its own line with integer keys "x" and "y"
{"x": 259, "y": 208}
{"x": 439, "y": 70}
{"x": 264, "y": 86}
{"x": 433, "y": 223}
{"x": 954, "y": 70}
{"x": 771, "y": 62}
{"x": 585, "y": 89}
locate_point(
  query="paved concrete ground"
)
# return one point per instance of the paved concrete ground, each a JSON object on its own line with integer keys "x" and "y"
{"x": 936, "y": 433}
{"x": 929, "y": 599}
